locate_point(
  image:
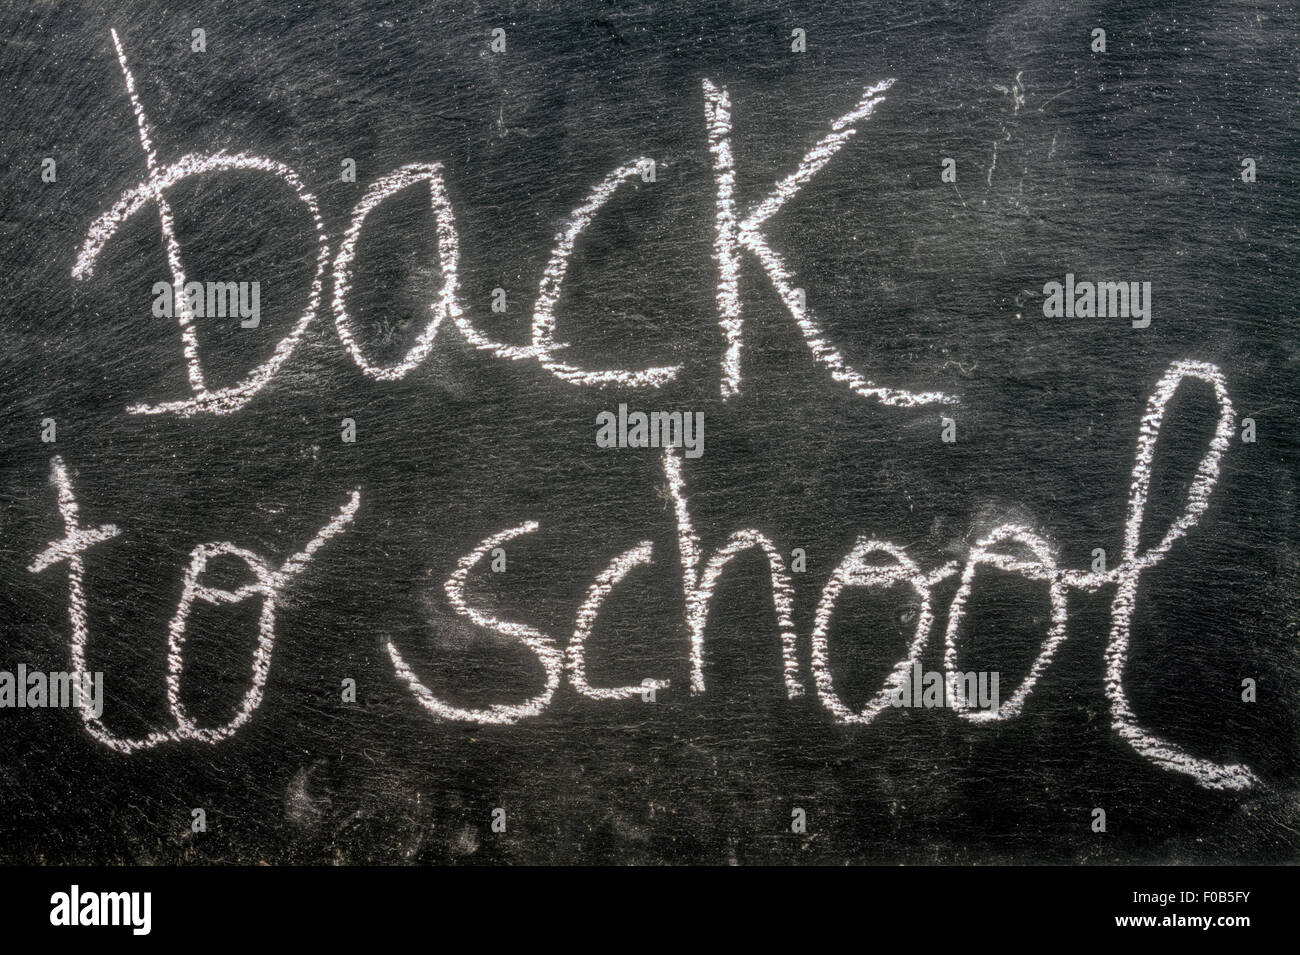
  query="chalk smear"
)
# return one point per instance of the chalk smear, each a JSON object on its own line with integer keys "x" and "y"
{"x": 542, "y": 645}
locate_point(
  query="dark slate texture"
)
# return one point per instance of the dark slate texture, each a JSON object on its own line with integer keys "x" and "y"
{"x": 1117, "y": 165}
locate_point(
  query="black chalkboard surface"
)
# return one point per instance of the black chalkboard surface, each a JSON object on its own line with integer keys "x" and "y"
{"x": 591, "y": 433}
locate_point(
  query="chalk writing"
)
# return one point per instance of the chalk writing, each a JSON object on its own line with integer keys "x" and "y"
{"x": 872, "y": 563}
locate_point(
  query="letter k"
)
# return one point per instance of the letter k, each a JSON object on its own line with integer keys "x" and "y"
{"x": 733, "y": 234}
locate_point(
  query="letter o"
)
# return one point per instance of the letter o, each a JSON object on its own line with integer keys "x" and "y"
{"x": 1042, "y": 568}
{"x": 854, "y": 572}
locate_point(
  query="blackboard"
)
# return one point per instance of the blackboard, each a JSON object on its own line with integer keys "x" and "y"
{"x": 887, "y": 397}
